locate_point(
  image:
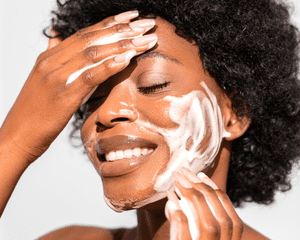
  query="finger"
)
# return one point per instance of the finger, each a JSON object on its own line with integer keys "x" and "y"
{"x": 88, "y": 81}
{"x": 179, "y": 227}
{"x": 226, "y": 216}
{"x": 238, "y": 225}
{"x": 95, "y": 55}
{"x": 101, "y": 37}
{"x": 194, "y": 205}
{"x": 108, "y": 22}
{"x": 216, "y": 207}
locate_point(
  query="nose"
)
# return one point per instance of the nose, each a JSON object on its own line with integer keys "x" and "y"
{"x": 117, "y": 108}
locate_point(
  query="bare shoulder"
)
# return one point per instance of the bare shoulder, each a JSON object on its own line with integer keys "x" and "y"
{"x": 250, "y": 234}
{"x": 81, "y": 232}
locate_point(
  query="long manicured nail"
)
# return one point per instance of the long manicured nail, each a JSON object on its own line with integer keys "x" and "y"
{"x": 125, "y": 57}
{"x": 172, "y": 197}
{"x": 204, "y": 178}
{"x": 124, "y": 17}
{"x": 190, "y": 175}
{"x": 179, "y": 177}
{"x": 144, "y": 23}
{"x": 144, "y": 40}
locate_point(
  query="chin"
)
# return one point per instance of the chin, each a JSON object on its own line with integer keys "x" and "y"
{"x": 131, "y": 199}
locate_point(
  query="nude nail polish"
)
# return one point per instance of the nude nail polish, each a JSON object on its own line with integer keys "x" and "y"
{"x": 179, "y": 177}
{"x": 144, "y": 23}
{"x": 190, "y": 175}
{"x": 204, "y": 178}
{"x": 144, "y": 40}
{"x": 124, "y": 17}
{"x": 125, "y": 57}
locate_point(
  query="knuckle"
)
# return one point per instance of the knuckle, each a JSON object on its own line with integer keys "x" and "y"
{"x": 124, "y": 44}
{"x": 108, "y": 22}
{"x": 120, "y": 28}
{"x": 222, "y": 195}
{"x": 213, "y": 230}
{"x": 226, "y": 223}
{"x": 108, "y": 64}
{"x": 195, "y": 195}
{"x": 91, "y": 53}
{"x": 238, "y": 225}
{"x": 88, "y": 38}
{"x": 80, "y": 33}
{"x": 42, "y": 65}
{"x": 88, "y": 76}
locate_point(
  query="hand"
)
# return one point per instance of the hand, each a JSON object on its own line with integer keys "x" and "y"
{"x": 203, "y": 212}
{"x": 49, "y": 98}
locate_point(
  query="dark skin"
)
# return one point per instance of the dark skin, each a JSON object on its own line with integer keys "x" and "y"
{"x": 108, "y": 118}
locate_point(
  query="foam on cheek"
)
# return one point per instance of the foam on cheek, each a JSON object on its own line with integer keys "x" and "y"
{"x": 199, "y": 118}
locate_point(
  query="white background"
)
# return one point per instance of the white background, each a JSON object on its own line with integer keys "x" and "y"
{"x": 62, "y": 188}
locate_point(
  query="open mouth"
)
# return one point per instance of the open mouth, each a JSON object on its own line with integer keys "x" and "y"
{"x": 123, "y": 147}
{"x": 128, "y": 153}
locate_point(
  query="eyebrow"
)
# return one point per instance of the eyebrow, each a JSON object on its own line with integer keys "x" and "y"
{"x": 156, "y": 54}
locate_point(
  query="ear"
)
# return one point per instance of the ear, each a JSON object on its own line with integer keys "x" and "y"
{"x": 234, "y": 124}
{"x": 54, "y": 39}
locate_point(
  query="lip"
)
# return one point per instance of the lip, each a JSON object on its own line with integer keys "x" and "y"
{"x": 121, "y": 142}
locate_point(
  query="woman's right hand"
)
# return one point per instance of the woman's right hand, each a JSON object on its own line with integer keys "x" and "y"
{"x": 47, "y": 102}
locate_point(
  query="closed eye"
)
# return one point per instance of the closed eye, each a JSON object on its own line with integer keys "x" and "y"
{"x": 153, "y": 88}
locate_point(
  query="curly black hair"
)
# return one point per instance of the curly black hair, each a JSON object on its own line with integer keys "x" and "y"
{"x": 251, "y": 49}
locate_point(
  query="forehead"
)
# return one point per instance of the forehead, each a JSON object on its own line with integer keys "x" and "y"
{"x": 174, "y": 46}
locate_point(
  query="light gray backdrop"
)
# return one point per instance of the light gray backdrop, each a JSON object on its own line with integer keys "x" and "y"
{"x": 62, "y": 188}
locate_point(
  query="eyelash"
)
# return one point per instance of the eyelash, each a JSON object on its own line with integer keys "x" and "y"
{"x": 153, "y": 88}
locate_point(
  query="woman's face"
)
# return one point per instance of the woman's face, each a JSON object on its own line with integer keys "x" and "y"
{"x": 162, "y": 112}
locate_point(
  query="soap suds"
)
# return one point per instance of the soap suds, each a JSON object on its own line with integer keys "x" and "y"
{"x": 199, "y": 118}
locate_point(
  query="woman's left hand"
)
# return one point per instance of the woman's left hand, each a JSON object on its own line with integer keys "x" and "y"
{"x": 203, "y": 211}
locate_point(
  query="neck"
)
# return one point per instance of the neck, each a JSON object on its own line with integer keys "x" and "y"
{"x": 152, "y": 222}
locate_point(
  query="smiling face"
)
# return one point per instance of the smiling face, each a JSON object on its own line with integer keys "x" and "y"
{"x": 162, "y": 112}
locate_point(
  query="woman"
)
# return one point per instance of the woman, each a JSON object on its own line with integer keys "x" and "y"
{"x": 212, "y": 87}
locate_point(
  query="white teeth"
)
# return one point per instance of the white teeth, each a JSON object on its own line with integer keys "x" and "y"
{"x": 128, "y": 153}
{"x": 144, "y": 151}
{"x": 137, "y": 152}
{"x": 119, "y": 154}
{"x": 110, "y": 156}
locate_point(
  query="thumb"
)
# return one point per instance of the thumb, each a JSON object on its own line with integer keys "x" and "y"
{"x": 54, "y": 39}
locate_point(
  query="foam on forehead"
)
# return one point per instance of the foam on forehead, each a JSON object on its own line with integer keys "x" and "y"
{"x": 101, "y": 41}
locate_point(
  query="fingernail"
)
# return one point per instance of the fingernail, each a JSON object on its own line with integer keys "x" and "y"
{"x": 144, "y": 23}
{"x": 204, "y": 178}
{"x": 190, "y": 175}
{"x": 172, "y": 197}
{"x": 170, "y": 207}
{"x": 179, "y": 177}
{"x": 123, "y": 17}
{"x": 144, "y": 40}
{"x": 125, "y": 57}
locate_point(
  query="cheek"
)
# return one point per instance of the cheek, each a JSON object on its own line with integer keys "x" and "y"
{"x": 156, "y": 113}
{"x": 196, "y": 141}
